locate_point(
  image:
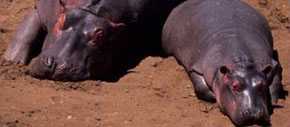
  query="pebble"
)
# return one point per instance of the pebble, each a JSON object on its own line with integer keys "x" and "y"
{"x": 69, "y": 117}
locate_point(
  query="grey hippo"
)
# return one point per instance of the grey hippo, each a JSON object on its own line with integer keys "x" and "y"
{"x": 226, "y": 48}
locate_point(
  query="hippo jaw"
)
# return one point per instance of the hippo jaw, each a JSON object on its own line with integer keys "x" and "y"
{"x": 243, "y": 95}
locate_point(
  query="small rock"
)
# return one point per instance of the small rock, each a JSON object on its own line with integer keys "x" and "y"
{"x": 188, "y": 86}
{"x": 159, "y": 94}
{"x": 156, "y": 62}
{"x": 288, "y": 27}
{"x": 206, "y": 107}
{"x": 284, "y": 19}
{"x": 185, "y": 96}
{"x": 263, "y": 2}
{"x": 11, "y": 124}
{"x": 192, "y": 95}
{"x": 126, "y": 90}
{"x": 179, "y": 68}
{"x": 157, "y": 88}
{"x": 98, "y": 83}
{"x": 69, "y": 117}
{"x": 126, "y": 122}
{"x": 99, "y": 119}
{"x": 3, "y": 30}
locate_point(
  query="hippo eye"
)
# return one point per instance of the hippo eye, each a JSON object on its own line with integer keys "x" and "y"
{"x": 258, "y": 83}
{"x": 236, "y": 87}
{"x": 95, "y": 38}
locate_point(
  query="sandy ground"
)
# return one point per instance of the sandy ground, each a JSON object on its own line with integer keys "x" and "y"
{"x": 157, "y": 93}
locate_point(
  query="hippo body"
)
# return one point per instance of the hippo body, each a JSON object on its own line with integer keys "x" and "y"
{"x": 226, "y": 48}
{"x": 84, "y": 39}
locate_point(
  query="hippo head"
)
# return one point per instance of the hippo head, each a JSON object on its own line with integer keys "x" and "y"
{"x": 243, "y": 94}
{"x": 77, "y": 48}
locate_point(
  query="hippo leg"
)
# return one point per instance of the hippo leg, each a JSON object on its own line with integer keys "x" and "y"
{"x": 276, "y": 87}
{"x": 201, "y": 89}
{"x": 23, "y": 44}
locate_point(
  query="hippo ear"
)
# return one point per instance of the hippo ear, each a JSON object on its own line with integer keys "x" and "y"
{"x": 267, "y": 69}
{"x": 62, "y": 3}
{"x": 224, "y": 70}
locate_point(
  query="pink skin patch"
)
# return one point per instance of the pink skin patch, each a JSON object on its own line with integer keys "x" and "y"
{"x": 226, "y": 79}
{"x": 59, "y": 24}
{"x": 68, "y": 4}
{"x": 236, "y": 86}
{"x": 231, "y": 105}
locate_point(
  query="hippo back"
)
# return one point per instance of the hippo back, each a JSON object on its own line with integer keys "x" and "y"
{"x": 199, "y": 27}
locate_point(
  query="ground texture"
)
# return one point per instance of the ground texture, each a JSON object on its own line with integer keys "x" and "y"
{"x": 157, "y": 93}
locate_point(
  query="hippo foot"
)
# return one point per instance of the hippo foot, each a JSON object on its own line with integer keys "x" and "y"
{"x": 17, "y": 58}
{"x": 25, "y": 40}
{"x": 201, "y": 89}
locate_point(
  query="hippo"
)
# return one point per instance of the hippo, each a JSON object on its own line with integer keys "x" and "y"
{"x": 72, "y": 40}
{"x": 226, "y": 48}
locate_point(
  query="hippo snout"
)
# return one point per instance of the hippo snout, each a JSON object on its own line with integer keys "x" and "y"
{"x": 41, "y": 67}
{"x": 47, "y": 67}
{"x": 251, "y": 116}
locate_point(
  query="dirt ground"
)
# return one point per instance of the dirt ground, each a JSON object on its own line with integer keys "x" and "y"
{"x": 157, "y": 94}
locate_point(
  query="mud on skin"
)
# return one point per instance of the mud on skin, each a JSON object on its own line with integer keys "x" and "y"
{"x": 85, "y": 39}
{"x": 229, "y": 58}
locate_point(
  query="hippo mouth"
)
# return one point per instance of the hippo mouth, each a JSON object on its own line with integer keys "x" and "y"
{"x": 48, "y": 68}
{"x": 248, "y": 118}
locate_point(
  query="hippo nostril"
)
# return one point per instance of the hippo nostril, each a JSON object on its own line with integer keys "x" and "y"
{"x": 61, "y": 66}
{"x": 246, "y": 113}
{"x": 49, "y": 61}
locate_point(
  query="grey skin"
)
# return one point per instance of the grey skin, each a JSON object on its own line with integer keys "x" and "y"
{"x": 83, "y": 39}
{"x": 226, "y": 48}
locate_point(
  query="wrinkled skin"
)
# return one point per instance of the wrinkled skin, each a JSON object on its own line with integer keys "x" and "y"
{"x": 226, "y": 48}
{"x": 72, "y": 40}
